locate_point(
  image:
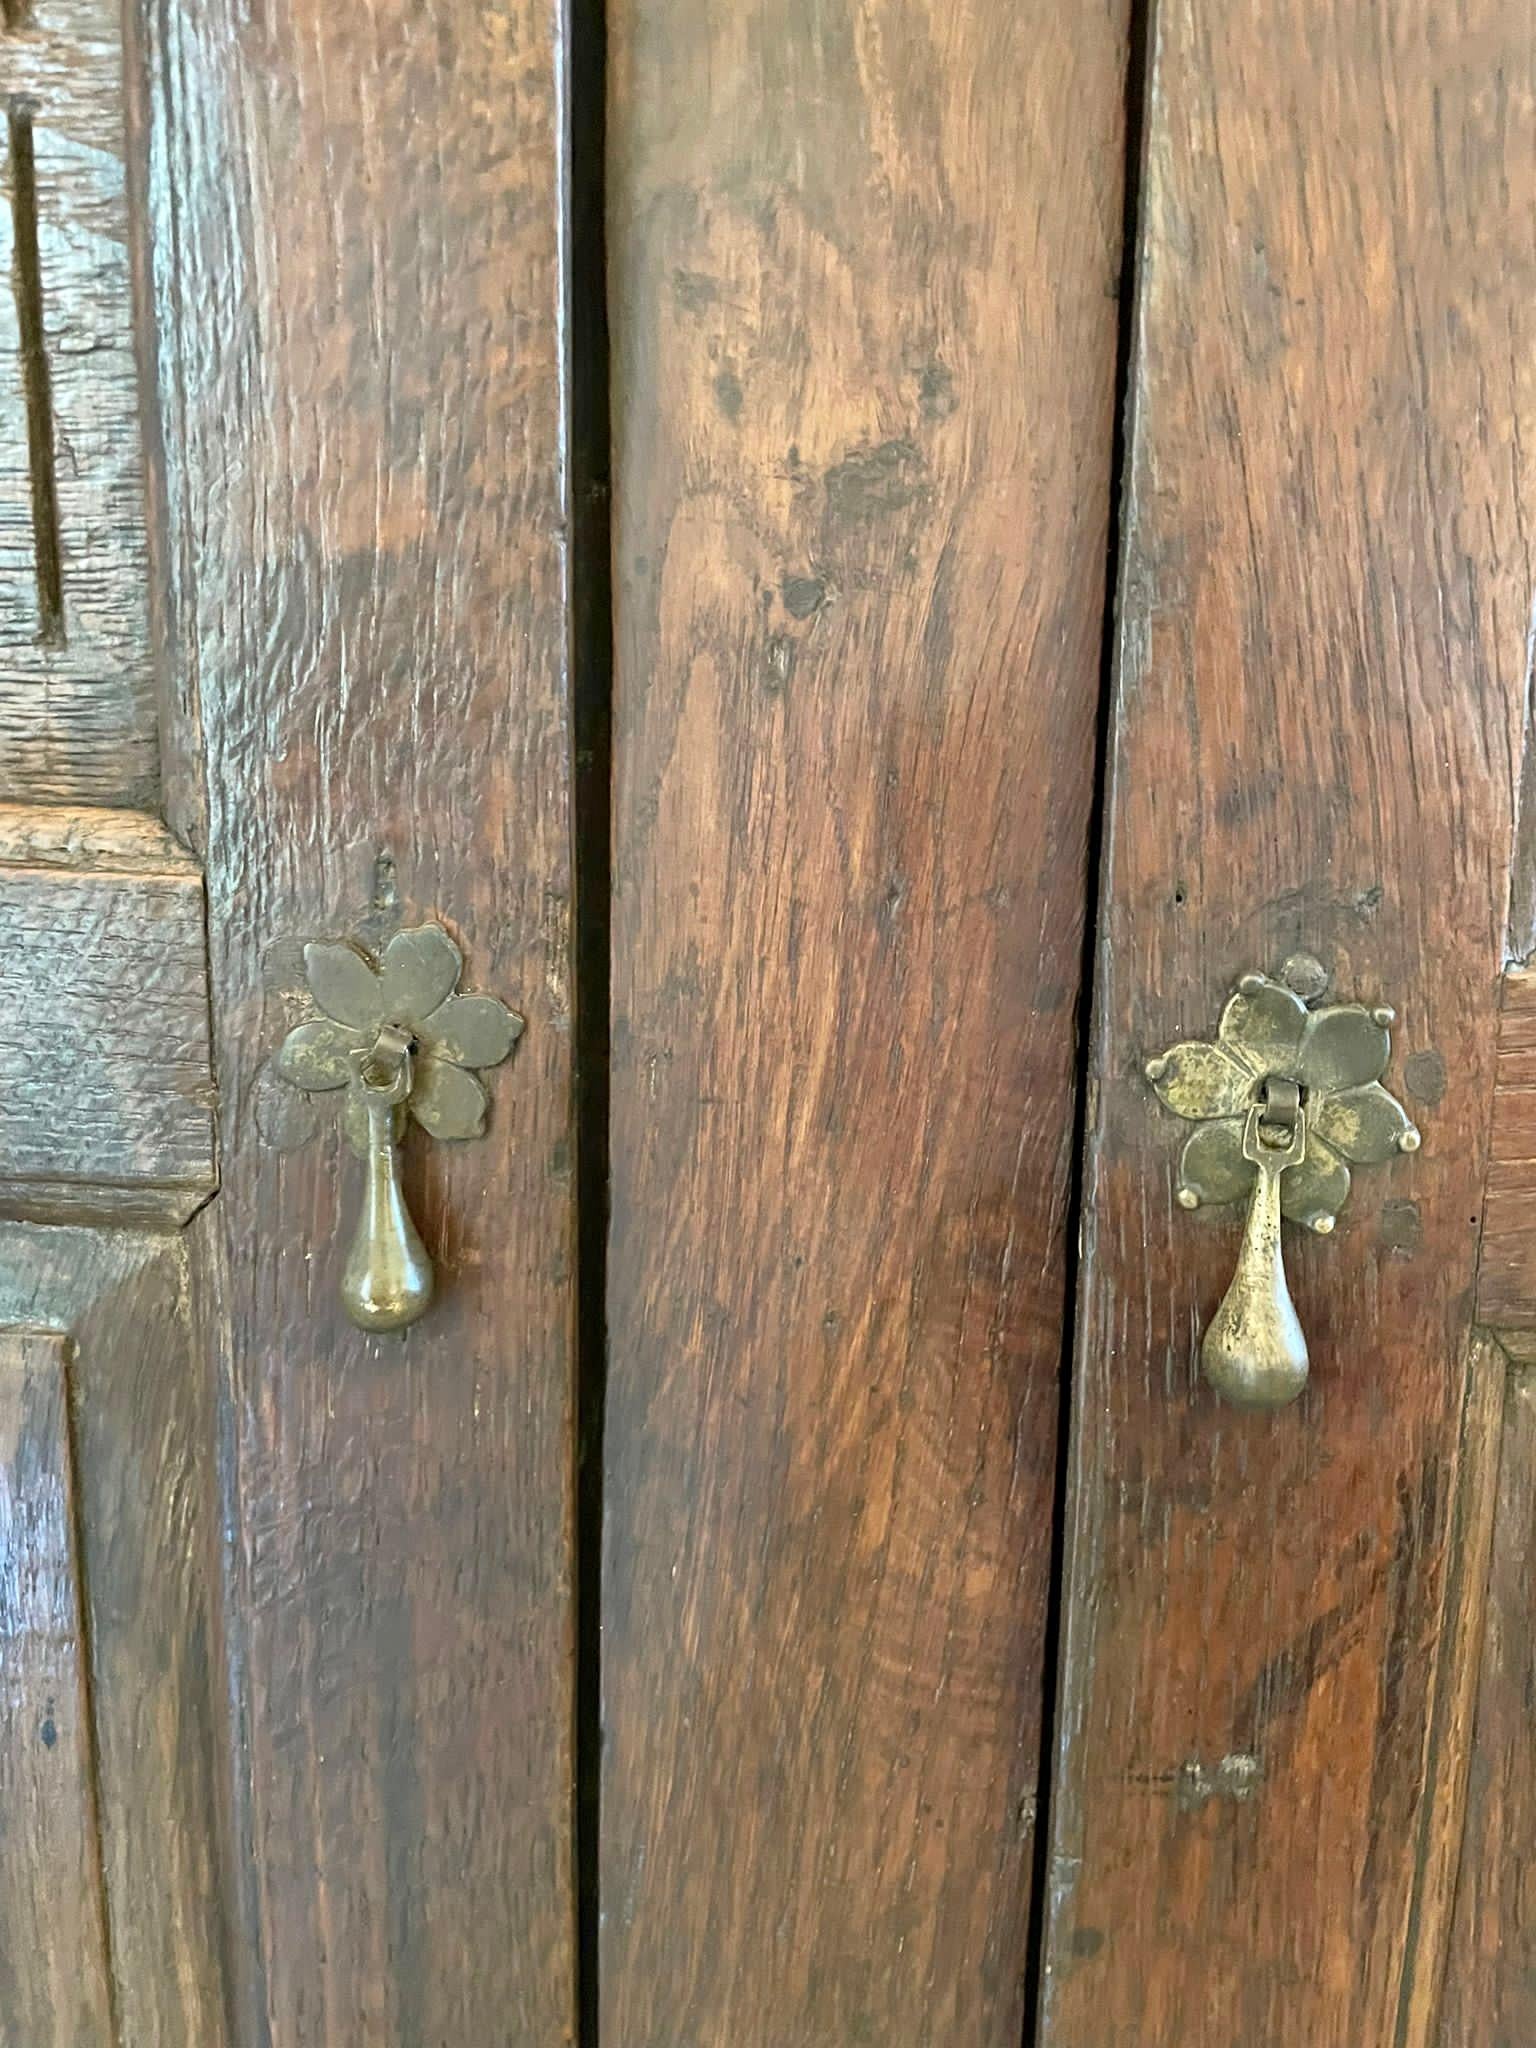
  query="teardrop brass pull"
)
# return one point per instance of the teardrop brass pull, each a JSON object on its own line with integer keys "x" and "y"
{"x": 1254, "y": 1352}
{"x": 1285, "y": 1101}
{"x": 398, "y": 1044}
{"x": 388, "y": 1280}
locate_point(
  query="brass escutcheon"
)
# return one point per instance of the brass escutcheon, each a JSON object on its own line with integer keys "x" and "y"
{"x": 1286, "y": 1100}
{"x": 397, "y": 1044}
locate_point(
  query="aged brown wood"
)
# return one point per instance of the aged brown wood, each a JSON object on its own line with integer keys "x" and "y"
{"x": 863, "y": 276}
{"x": 105, "y": 1092}
{"x": 54, "y": 1990}
{"x": 1490, "y": 1979}
{"x": 1489, "y": 1976}
{"x": 1322, "y": 673}
{"x": 116, "y": 1302}
{"x": 77, "y": 707}
{"x": 1442, "y": 1815}
{"x": 1506, "y": 1275}
{"x": 355, "y": 269}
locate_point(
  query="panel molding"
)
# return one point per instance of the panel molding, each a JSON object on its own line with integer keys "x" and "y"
{"x": 106, "y": 1088}
{"x": 55, "y": 1983}
{"x": 112, "y": 1308}
{"x": 78, "y": 720}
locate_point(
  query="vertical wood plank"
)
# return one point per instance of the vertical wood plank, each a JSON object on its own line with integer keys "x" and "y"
{"x": 1323, "y": 674}
{"x": 54, "y": 1990}
{"x": 355, "y": 243}
{"x": 144, "y": 1491}
{"x": 1490, "y": 1977}
{"x": 77, "y": 699}
{"x": 864, "y": 259}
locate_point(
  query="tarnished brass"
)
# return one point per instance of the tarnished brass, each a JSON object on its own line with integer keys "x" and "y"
{"x": 1285, "y": 1101}
{"x": 1254, "y": 1352}
{"x": 397, "y": 1042}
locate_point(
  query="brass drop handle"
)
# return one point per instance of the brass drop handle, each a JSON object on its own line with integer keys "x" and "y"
{"x": 388, "y": 1280}
{"x": 1285, "y": 1101}
{"x": 1254, "y": 1352}
{"x": 395, "y": 1043}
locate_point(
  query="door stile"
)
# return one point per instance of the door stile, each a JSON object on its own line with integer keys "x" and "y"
{"x": 356, "y": 272}
{"x": 1321, "y": 674}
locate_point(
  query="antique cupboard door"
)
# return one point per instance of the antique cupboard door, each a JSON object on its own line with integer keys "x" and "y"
{"x": 1321, "y": 698}
{"x": 331, "y": 1804}
{"x": 357, "y": 286}
{"x": 864, "y": 259}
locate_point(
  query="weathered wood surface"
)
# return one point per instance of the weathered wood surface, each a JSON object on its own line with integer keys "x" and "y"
{"x": 354, "y": 224}
{"x": 864, "y": 261}
{"x": 1321, "y": 684}
{"x": 54, "y": 1990}
{"x": 1506, "y": 1274}
{"x": 77, "y": 706}
{"x": 144, "y": 1496}
{"x": 1490, "y": 1975}
{"x": 1448, "y": 1755}
{"x": 106, "y": 1094}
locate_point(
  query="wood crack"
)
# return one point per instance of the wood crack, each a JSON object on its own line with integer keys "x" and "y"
{"x": 27, "y": 284}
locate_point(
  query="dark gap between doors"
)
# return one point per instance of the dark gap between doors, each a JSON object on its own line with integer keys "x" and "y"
{"x": 27, "y": 284}
{"x": 590, "y": 597}
{"x": 1139, "y": 45}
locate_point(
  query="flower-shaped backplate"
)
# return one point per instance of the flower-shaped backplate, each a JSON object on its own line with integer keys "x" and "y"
{"x": 1337, "y": 1052}
{"x": 413, "y": 988}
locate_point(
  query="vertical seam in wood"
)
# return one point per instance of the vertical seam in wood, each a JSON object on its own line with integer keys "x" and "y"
{"x": 27, "y": 285}
{"x": 1138, "y": 49}
{"x": 87, "y": 1636}
{"x": 590, "y": 612}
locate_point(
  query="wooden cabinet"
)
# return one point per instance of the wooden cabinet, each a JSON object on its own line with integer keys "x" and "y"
{"x": 865, "y": 563}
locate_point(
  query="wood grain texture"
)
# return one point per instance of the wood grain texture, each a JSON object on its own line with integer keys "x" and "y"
{"x": 1322, "y": 677}
{"x": 1459, "y": 1634}
{"x": 106, "y": 1094}
{"x": 54, "y": 1990}
{"x": 144, "y": 1500}
{"x": 1490, "y": 1978}
{"x": 863, "y": 270}
{"x": 354, "y": 245}
{"x": 1506, "y": 1274}
{"x": 77, "y": 709}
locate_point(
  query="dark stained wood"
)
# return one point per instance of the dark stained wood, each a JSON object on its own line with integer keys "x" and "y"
{"x": 863, "y": 269}
{"x": 144, "y": 1496}
{"x": 106, "y": 1099}
{"x": 1441, "y": 1818}
{"x": 1322, "y": 674}
{"x": 54, "y": 1989}
{"x": 355, "y": 271}
{"x": 1490, "y": 1978}
{"x": 77, "y": 705}
{"x": 1506, "y": 1274}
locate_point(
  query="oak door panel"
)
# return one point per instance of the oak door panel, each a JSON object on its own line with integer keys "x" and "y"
{"x": 354, "y": 260}
{"x": 1489, "y": 1996}
{"x": 106, "y": 1096}
{"x": 114, "y": 1515}
{"x": 77, "y": 690}
{"x": 1487, "y": 1983}
{"x": 1316, "y": 731}
{"x": 863, "y": 267}
{"x": 53, "y": 1946}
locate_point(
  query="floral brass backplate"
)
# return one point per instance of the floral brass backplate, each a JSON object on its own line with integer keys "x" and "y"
{"x": 1285, "y": 1100}
{"x": 1337, "y": 1053}
{"x": 395, "y": 1041}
